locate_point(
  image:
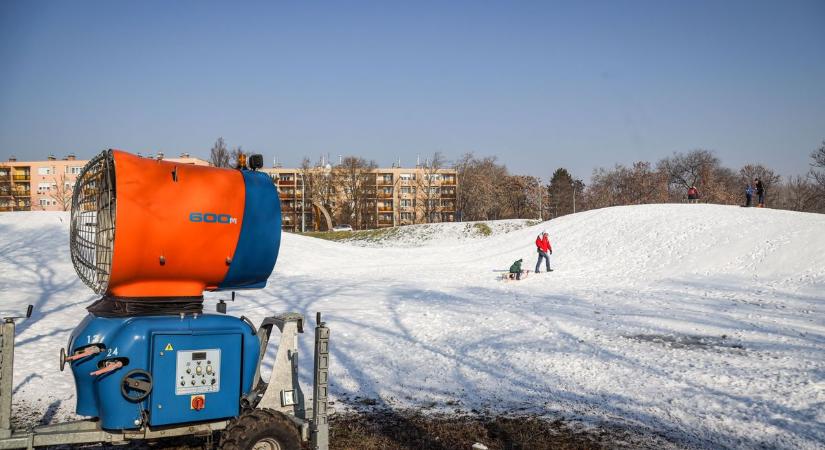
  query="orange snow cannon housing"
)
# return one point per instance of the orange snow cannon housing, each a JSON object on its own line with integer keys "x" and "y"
{"x": 143, "y": 227}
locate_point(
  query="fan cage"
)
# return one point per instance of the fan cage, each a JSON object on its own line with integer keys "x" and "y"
{"x": 92, "y": 232}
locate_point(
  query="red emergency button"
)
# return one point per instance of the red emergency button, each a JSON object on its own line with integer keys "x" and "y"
{"x": 198, "y": 402}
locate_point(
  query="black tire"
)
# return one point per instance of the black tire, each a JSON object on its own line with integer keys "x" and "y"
{"x": 261, "y": 429}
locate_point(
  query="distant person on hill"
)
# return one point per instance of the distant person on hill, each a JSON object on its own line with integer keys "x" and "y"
{"x": 748, "y": 195}
{"x": 760, "y": 192}
{"x": 515, "y": 270}
{"x": 543, "y": 248}
{"x": 693, "y": 194}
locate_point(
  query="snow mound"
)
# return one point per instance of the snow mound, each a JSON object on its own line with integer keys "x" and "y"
{"x": 704, "y": 324}
{"x": 435, "y": 234}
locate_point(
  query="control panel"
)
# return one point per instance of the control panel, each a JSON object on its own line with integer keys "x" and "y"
{"x": 198, "y": 372}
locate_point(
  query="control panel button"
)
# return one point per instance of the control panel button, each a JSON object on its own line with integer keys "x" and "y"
{"x": 198, "y": 402}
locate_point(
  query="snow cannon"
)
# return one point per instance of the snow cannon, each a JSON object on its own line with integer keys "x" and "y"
{"x": 150, "y": 237}
{"x": 142, "y": 227}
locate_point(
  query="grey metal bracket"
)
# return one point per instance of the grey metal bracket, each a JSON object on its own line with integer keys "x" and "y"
{"x": 283, "y": 391}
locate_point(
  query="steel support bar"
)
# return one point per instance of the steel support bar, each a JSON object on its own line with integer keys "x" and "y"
{"x": 88, "y": 432}
{"x": 320, "y": 419}
{"x": 6, "y": 376}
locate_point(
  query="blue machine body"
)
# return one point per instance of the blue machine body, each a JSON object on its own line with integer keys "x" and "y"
{"x": 201, "y": 366}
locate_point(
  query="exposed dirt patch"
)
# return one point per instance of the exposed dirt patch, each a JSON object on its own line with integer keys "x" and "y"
{"x": 690, "y": 341}
{"x": 414, "y": 430}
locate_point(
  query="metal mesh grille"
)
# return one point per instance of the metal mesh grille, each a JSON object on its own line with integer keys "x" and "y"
{"x": 92, "y": 233}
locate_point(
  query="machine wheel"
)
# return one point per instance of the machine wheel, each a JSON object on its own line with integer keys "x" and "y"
{"x": 261, "y": 429}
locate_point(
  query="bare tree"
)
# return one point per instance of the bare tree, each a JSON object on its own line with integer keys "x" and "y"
{"x": 817, "y": 173}
{"x": 522, "y": 197}
{"x": 638, "y": 184}
{"x": 481, "y": 187}
{"x": 688, "y": 169}
{"x": 354, "y": 179}
{"x": 428, "y": 187}
{"x": 219, "y": 155}
{"x": 750, "y": 172}
{"x": 797, "y": 194}
{"x": 62, "y": 192}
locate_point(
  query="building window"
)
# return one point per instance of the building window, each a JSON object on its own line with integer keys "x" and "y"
{"x": 74, "y": 170}
{"x": 406, "y": 216}
{"x": 406, "y": 203}
{"x": 44, "y": 171}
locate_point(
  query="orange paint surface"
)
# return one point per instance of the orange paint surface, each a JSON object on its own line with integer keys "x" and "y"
{"x": 152, "y": 221}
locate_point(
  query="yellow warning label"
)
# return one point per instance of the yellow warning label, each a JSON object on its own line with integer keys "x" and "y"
{"x": 168, "y": 348}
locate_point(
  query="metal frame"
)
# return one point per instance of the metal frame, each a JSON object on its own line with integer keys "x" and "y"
{"x": 270, "y": 394}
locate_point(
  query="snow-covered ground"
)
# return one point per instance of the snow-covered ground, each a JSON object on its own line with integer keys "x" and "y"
{"x": 427, "y": 234}
{"x": 703, "y": 323}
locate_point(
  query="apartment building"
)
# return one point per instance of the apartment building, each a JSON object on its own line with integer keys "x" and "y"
{"x": 47, "y": 185}
{"x": 393, "y": 196}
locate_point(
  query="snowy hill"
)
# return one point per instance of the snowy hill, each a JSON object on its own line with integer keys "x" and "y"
{"x": 704, "y": 324}
{"x": 429, "y": 234}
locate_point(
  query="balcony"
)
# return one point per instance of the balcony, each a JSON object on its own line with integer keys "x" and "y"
{"x": 22, "y": 192}
{"x": 21, "y": 177}
{"x": 385, "y": 209}
{"x": 385, "y": 195}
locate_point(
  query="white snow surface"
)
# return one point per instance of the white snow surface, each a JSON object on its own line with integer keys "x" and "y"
{"x": 702, "y": 323}
{"x": 436, "y": 233}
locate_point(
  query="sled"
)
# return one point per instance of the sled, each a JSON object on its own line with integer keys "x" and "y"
{"x": 506, "y": 275}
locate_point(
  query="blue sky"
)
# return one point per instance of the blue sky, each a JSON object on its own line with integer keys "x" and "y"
{"x": 541, "y": 85}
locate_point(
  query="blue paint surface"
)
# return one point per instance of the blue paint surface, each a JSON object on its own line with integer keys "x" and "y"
{"x": 260, "y": 237}
{"x": 133, "y": 338}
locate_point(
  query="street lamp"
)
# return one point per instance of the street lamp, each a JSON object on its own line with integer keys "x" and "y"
{"x": 541, "y": 199}
{"x": 574, "y": 196}
{"x": 303, "y": 211}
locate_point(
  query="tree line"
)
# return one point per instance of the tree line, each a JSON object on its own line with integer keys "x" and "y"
{"x": 493, "y": 193}
{"x": 488, "y": 191}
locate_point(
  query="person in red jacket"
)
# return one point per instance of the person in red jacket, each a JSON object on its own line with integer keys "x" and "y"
{"x": 544, "y": 249}
{"x": 693, "y": 195}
